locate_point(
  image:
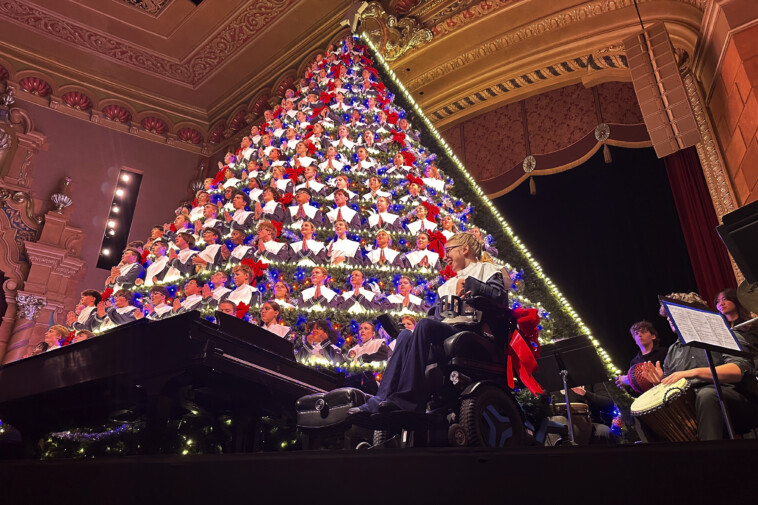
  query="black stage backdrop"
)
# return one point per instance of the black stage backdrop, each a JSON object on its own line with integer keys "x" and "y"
{"x": 608, "y": 235}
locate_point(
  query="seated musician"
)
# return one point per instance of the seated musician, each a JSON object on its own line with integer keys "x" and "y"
{"x": 646, "y": 337}
{"x": 343, "y": 250}
{"x": 730, "y": 307}
{"x": 244, "y": 292}
{"x": 404, "y": 299}
{"x": 383, "y": 218}
{"x": 358, "y": 299}
{"x": 268, "y": 248}
{"x": 382, "y": 254}
{"x": 159, "y": 266}
{"x": 213, "y": 297}
{"x": 181, "y": 262}
{"x": 54, "y": 335}
{"x": 125, "y": 275}
{"x": 210, "y": 256}
{"x": 271, "y": 320}
{"x": 403, "y": 384}
{"x": 594, "y": 426}
{"x": 158, "y": 309}
{"x": 319, "y": 343}
{"x": 734, "y": 373}
{"x": 121, "y": 311}
{"x": 241, "y": 251}
{"x": 302, "y": 210}
{"x": 193, "y": 298}
{"x": 84, "y": 318}
{"x": 308, "y": 251}
{"x": 422, "y": 256}
{"x": 282, "y": 293}
{"x": 370, "y": 348}
{"x": 318, "y": 295}
{"x": 240, "y": 219}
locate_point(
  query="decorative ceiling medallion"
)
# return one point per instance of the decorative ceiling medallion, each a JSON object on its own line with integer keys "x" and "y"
{"x": 529, "y": 164}
{"x": 602, "y": 132}
{"x": 224, "y": 44}
{"x": 35, "y": 86}
{"x": 117, "y": 113}
{"x": 154, "y": 125}
{"x": 392, "y": 36}
{"x": 77, "y": 100}
{"x": 153, "y": 7}
{"x": 190, "y": 135}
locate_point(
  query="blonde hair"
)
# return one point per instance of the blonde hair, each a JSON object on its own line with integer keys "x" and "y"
{"x": 475, "y": 246}
{"x": 246, "y": 269}
{"x": 60, "y": 330}
{"x": 690, "y": 297}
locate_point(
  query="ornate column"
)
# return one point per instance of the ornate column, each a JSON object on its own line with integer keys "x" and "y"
{"x": 29, "y": 306}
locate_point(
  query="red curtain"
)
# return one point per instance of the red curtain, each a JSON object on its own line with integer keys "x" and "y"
{"x": 708, "y": 255}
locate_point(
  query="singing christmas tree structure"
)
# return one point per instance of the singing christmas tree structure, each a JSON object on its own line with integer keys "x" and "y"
{"x": 337, "y": 208}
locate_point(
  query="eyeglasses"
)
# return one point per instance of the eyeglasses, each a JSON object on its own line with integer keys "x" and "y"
{"x": 448, "y": 249}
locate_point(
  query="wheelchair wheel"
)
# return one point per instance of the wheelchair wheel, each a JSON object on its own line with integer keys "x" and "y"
{"x": 380, "y": 438}
{"x": 456, "y": 435}
{"x": 491, "y": 418}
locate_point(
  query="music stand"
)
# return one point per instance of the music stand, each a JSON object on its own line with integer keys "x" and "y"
{"x": 708, "y": 330}
{"x": 569, "y": 363}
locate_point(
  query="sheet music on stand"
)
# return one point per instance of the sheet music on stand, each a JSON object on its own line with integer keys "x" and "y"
{"x": 702, "y": 328}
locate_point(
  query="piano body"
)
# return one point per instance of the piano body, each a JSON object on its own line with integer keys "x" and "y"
{"x": 150, "y": 367}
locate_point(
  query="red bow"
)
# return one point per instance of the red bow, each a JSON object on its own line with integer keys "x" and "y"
{"x": 408, "y": 156}
{"x": 311, "y": 146}
{"x": 392, "y": 117}
{"x": 379, "y": 87}
{"x": 293, "y": 173}
{"x": 448, "y": 272}
{"x": 431, "y": 211}
{"x": 242, "y": 309}
{"x": 277, "y": 112}
{"x": 325, "y": 98}
{"x": 278, "y": 226}
{"x": 373, "y": 71}
{"x": 317, "y": 111}
{"x": 145, "y": 254}
{"x": 194, "y": 203}
{"x": 219, "y": 177}
{"x": 397, "y": 136}
{"x": 258, "y": 267}
{"x": 437, "y": 242}
{"x": 286, "y": 199}
{"x": 106, "y": 294}
{"x": 524, "y": 349}
{"x": 172, "y": 227}
{"x": 69, "y": 338}
{"x": 413, "y": 179}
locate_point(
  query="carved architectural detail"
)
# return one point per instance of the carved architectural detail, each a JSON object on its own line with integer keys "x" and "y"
{"x": 29, "y": 305}
{"x": 722, "y": 193}
{"x": 153, "y": 7}
{"x": 62, "y": 200}
{"x": 154, "y": 125}
{"x": 392, "y": 36}
{"x": 190, "y": 135}
{"x": 117, "y": 113}
{"x": 35, "y": 86}
{"x": 20, "y": 197}
{"x": 77, "y": 100}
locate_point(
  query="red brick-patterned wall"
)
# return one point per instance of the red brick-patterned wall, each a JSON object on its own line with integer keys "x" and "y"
{"x": 734, "y": 110}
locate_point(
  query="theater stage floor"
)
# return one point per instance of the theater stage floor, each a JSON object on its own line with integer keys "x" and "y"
{"x": 647, "y": 474}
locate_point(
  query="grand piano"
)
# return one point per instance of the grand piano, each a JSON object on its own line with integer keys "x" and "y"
{"x": 156, "y": 370}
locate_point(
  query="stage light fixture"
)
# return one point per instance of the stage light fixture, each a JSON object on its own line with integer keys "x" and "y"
{"x": 115, "y": 209}
{"x": 106, "y": 252}
{"x": 119, "y": 192}
{"x": 112, "y": 232}
{"x": 125, "y": 177}
{"x": 112, "y": 223}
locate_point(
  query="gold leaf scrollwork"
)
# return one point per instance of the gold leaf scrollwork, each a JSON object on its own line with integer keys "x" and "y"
{"x": 394, "y": 37}
{"x": 21, "y": 197}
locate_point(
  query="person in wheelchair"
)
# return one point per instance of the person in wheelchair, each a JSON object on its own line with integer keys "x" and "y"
{"x": 481, "y": 285}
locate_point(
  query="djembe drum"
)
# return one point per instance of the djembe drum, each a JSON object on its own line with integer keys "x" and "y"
{"x": 668, "y": 410}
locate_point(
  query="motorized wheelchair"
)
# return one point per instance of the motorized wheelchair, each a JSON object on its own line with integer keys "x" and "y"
{"x": 470, "y": 403}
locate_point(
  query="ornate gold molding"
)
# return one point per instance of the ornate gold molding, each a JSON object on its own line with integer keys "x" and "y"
{"x": 394, "y": 37}
{"x": 612, "y": 57}
{"x": 537, "y": 28}
{"x": 21, "y": 198}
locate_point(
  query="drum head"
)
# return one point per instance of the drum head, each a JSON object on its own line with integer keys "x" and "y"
{"x": 658, "y": 396}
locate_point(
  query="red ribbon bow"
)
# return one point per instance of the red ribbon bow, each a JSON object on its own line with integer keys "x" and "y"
{"x": 379, "y": 87}
{"x": 448, "y": 272}
{"x": 258, "y": 267}
{"x": 293, "y": 173}
{"x": 219, "y": 177}
{"x": 437, "y": 243}
{"x": 392, "y": 117}
{"x": 374, "y": 71}
{"x": 107, "y": 293}
{"x": 432, "y": 211}
{"x": 145, "y": 254}
{"x": 524, "y": 349}
{"x": 68, "y": 339}
{"x": 242, "y": 309}
{"x": 286, "y": 199}
{"x": 317, "y": 111}
{"x": 408, "y": 156}
{"x": 278, "y": 226}
{"x": 398, "y": 137}
{"x": 172, "y": 227}
{"x": 277, "y": 112}
{"x": 311, "y": 146}
{"x": 325, "y": 98}
{"x": 413, "y": 179}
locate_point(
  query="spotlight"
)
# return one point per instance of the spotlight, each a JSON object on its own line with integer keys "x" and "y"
{"x": 115, "y": 209}
{"x": 106, "y": 252}
{"x": 112, "y": 232}
{"x": 119, "y": 192}
{"x": 112, "y": 223}
{"x": 125, "y": 177}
